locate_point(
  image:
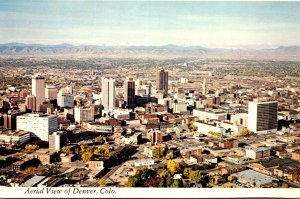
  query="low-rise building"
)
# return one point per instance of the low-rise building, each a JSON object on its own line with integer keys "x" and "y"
{"x": 259, "y": 152}
{"x": 33, "y": 182}
{"x": 14, "y": 137}
{"x": 232, "y": 169}
{"x": 143, "y": 162}
{"x": 296, "y": 155}
{"x": 203, "y": 158}
{"x": 136, "y": 138}
{"x": 219, "y": 127}
{"x": 97, "y": 163}
{"x": 254, "y": 178}
{"x": 210, "y": 114}
{"x": 46, "y": 156}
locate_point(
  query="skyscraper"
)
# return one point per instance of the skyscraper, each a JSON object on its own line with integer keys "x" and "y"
{"x": 30, "y": 102}
{"x": 162, "y": 81}
{"x": 108, "y": 93}
{"x": 84, "y": 114}
{"x": 129, "y": 92}
{"x": 262, "y": 116}
{"x": 38, "y": 89}
{"x": 204, "y": 87}
{"x": 57, "y": 140}
{"x": 51, "y": 92}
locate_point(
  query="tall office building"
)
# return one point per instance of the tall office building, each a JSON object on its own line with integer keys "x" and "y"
{"x": 51, "y": 92}
{"x": 129, "y": 92}
{"x": 204, "y": 87}
{"x": 65, "y": 100}
{"x": 162, "y": 81}
{"x": 30, "y": 102}
{"x": 84, "y": 114}
{"x": 10, "y": 120}
{"x": 57, "y": 140}
{"x": 262, "y": 116}
{"x": 108, "y": 93}
{"x": 38, "y": 89}
{"x": 39, "y": 124}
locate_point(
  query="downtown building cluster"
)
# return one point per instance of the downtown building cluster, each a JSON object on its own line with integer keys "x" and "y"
{"x": 231, "y": 136}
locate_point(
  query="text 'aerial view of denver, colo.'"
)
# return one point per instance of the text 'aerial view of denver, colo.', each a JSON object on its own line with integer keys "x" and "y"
{"x": 149, "y": 94}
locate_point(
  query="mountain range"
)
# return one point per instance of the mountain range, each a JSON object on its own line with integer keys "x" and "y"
{"x": 14, "y": 49}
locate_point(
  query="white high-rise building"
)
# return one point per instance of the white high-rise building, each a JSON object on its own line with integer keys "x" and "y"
{"x": 108, "y": 93}
{"x": 83, "y": 114}
{"x": 262, "y": 116}
{"x": 38, "y": 89}
{"x": 57, "y": 140}
{"x": 65, "y": 100}
{"x": 38, "y": 124}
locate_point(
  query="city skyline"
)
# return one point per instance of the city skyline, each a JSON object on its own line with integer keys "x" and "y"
{"x": 209, "y": 24}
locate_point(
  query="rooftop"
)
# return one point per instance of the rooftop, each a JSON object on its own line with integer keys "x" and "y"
{"x": 13, "y": 132}
{"x": 254, "y": 177}
{"x": 33, "y": 181}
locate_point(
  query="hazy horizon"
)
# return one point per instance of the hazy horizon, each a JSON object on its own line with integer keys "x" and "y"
{"x": 209, "y": 24}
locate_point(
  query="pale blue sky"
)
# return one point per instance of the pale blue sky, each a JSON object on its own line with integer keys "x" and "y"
{"x": 210, "y": 24}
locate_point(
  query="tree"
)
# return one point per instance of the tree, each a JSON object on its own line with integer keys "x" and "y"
{"x": 183, "y": 164}
{"x": 30, "y": 170}
{"x": 157, "y": 152}
{"x": 162, "y": 173}
{"x": 86, "y": 156}
{"x": 152, "y": 182}
{"x": 173, "y": 166}
{"x": 176, "y": 183}
{"x": 102, "y": 182}
{"x": 100, "y": 140}
{"x": 76, "y": 150}
{"x": 216, "y": 134}
{"x": 192, "y": 126}
{"x": 244, "y": 132}
{"x": 43, "y": 172}
{"x": 29, "y": 148}
{"x": 103, "y": 151}
{"x": 90, "y": 149}
{"x": 169, "y": 181}
{"x": 195, "y": 175}
{"x": 184, "y": 183}
{"x": 69, "y": 175}
{"x": 66, "y": 149}
{"x": 230, "y": 178}
{"x": 133, "y": 181}
{"x": 170, "y": 155}
{"x": 83, "y": 148}
{"x": 186, "y": 172}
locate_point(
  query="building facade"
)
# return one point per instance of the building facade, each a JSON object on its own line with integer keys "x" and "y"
{"x": 38, "y": 124}
{"x": 57, "y": 140}
{"x": 129, "y": 92}
{"x": 51, "y": 92}
{"x": 65, "y": 100}
{"x": 162, "y": 80}
{"x": 262, "y": 116}
{"x": 38, "y": 89}
{"x": 84, "y": 114}
{"x": 108, "y": 93}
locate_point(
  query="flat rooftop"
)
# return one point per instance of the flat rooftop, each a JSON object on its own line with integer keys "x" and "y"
{"x": 254, "y": 177}
{"x": 13, "y": 132}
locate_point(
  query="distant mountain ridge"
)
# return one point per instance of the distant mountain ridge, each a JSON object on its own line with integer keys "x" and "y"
{"x": 12, "y": 49}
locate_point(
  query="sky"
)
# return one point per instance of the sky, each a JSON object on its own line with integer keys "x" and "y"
{"x": 185, "y": 23}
